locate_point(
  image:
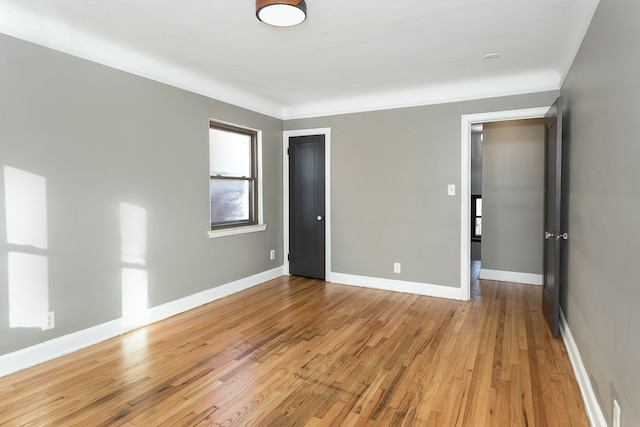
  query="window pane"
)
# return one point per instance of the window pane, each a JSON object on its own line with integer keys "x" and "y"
{"x": 479, "y": 206}
{"x": 229, "y": 153}
{"x": 478, "y": 227}
{"x": 231, "y": 201}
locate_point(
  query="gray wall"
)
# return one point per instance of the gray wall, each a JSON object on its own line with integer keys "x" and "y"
{"x": 602, "y": 296}
{"x": 513, "y": 196}
{"x": 390, "y": 171}
{"x": 101, "y": 137}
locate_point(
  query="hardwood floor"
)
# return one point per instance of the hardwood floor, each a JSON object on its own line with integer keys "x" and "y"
{"x": 297, "y": 351}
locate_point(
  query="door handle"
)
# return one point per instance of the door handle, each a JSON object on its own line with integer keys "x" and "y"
{"x": 564, "y": 236}
{"x": 319, "y": 217}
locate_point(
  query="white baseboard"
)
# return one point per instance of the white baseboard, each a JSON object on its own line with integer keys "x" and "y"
{"x": 511, "y": 276}
{"x": 39, "y": 353}
{"x": 398, "y": 286}
{"x": 594, "y": 412}
{"x": 48, "y": 350}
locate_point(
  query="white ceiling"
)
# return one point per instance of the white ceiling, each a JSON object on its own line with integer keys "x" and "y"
{"x": 349, "y": 55}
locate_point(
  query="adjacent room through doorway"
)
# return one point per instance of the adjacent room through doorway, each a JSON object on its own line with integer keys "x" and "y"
{"x": 507, "y": 201}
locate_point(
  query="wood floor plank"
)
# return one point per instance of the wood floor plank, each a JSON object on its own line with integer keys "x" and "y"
{"x": 297, "y": 351}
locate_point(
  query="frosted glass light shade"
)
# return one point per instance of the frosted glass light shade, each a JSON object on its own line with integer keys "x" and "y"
{"x": 281, "y": 13}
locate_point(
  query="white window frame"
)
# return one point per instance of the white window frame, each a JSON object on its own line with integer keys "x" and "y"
{"x": 243, "y": 229}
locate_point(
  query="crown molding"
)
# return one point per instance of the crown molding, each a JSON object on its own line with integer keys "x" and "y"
{"x": 45, "y": 31}
{"x": 541, "y": 81}
{"x": 578, "y": 43}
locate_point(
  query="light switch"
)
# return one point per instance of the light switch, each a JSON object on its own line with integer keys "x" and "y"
{"x": 451, "y": 191}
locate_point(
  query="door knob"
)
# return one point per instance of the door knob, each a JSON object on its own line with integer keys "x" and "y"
{"x": 319, "y": 218}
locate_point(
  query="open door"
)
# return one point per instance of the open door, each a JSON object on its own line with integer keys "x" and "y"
{"x": 554, "y": 235}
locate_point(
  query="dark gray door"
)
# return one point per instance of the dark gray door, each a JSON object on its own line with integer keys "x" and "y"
{"x": 306, "y": 206}
{"x": 554, "y": 234}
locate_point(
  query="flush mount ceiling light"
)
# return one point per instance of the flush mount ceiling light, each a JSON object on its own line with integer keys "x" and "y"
{"x": 491, "y": 57}
{"x": 281, "y": 13}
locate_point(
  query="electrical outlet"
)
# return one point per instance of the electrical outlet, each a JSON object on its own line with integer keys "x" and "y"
{"x": 272, "y": 254}
{"x": 51, "y": 321}
{"x": 397, "y": 268}
{"x": 616, "y": 414}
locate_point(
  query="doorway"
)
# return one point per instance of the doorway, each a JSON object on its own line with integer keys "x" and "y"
{"x": 304, "y": 143}
{"x": 509, "y": 192}
{"x": 465, "y": 183}
{"x": 306, "y": 206}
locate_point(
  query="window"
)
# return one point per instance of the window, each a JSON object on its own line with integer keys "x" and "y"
{"x": 476, "y": 217}
{"x": 234, "y": 179}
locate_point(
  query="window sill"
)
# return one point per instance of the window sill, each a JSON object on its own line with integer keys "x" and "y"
{"x": 237, "y": 230}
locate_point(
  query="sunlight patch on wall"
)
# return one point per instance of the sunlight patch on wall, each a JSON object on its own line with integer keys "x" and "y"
{"x": 134, "y": 296}
{"x": 28, "y": 290}
{"x": 28, "y": 267}
{"x": 26, "y": 208}
{"x": 133, "y": 234}
{"x": 133, "y": 253}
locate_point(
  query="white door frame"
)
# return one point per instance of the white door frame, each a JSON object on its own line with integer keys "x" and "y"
{"x": 465, "y": 180}
{"x": 327, "y": 193}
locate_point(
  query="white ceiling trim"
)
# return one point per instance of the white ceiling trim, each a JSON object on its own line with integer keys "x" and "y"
{"x": 47, "y": 32}
{"x": 582, "y": 34}
{"x": 430, "y": 95}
